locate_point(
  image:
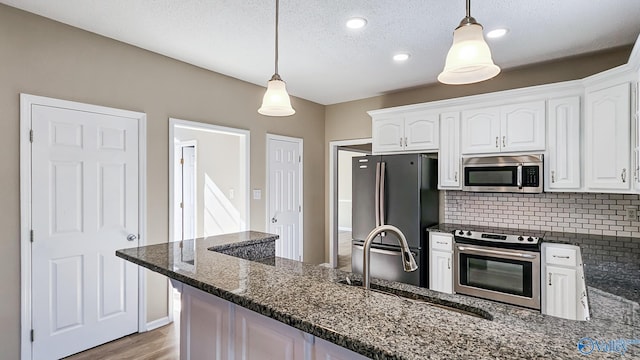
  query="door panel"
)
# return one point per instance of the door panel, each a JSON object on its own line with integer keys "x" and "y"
{"x": 363, "y": 196}
{"x": 84, "y": 204}
{"x": 402, "y": 195}
{"x": 284, "y": 197}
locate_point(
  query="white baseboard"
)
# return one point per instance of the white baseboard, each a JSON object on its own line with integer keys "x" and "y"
{"x": 152, "y": 325}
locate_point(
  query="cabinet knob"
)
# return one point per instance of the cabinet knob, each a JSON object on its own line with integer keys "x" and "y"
{"x": 455, "y": 177}
{"x": 624, "y": 175}
{"x": 448, "y": 264}
{"x": 496, "y": 141}
{"x": 504, "y": 141}
{"x": 549, "y": 279}
{"x": 400, "y": 141}
{"x": 553, "y": 176}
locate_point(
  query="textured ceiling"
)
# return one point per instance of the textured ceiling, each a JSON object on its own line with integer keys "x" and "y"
{"x": 323, "y": 61}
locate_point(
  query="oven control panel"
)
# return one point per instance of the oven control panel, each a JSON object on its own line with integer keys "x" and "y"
{"x": 522, "y": 238}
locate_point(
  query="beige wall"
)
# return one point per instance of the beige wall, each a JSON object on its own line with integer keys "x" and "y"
{"x": 42, "y": 57}
{"x": 350, "y": 120}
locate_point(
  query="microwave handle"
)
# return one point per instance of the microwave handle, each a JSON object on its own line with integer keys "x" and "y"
{"x": 519, "y": 175}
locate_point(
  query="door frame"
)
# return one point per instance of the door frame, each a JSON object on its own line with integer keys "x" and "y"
{"x": 267, "y": 219}
{"x": 26, "y": 101}
{"x": 333, "y": 194}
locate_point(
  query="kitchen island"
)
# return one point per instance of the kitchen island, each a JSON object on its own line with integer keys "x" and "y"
{"x": 310, "y": 298}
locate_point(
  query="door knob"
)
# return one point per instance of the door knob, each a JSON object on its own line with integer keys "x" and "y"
{"x": 131, "y": 237}
{"x": 274, "y": 220}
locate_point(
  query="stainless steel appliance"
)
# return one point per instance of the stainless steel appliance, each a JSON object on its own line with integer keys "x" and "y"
{"x": 399, "y": 190}
{"x": 498, "y": 266}
{"x": 519, "y": 174}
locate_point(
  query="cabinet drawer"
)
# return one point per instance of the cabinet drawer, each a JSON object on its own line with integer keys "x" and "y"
{"x": 441, "y": 242}
{"x": 562, "y": 256}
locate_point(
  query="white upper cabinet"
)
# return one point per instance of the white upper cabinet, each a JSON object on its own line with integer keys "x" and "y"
{"x": 449, "y": 160}
{"x": 481, "y": 131}
{"x": 421, "y": 132}
{"x": 562, "y": 164}
{"x": 522, "y": 126}
{"x": 388, "y": 134}
{"x": 409, "y": 132}
{"x": 608, "y": 138}
{"x": 517, "y": 127}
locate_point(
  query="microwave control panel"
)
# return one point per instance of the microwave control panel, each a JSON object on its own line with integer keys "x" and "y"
{"x": 530, "y": 176}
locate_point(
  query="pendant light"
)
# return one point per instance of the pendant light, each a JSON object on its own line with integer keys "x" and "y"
{"x": 469, "y": 59}
{"x": 276, "y": 99}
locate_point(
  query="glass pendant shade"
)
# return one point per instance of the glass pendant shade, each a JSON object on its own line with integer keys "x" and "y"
{"x": 276, "y": 99}
{"x": 469, "y": 59}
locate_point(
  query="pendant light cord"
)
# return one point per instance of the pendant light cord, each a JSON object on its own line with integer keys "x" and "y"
{"x": 277, "y": 11}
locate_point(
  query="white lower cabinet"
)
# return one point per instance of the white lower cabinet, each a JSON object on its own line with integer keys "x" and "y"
{"x": 564, "y": 292}
{"x": 441, "y": 262}
{"x": 561, "y": 292}
{"x": 213, "y": 328}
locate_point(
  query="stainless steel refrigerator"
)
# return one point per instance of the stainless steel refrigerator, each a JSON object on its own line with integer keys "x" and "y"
{"x": 399, "y": 190}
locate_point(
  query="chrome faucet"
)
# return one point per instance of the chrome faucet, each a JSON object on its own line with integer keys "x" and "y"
{"x": 408, "y": 261}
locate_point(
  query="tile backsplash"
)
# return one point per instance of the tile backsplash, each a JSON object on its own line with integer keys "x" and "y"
{"x": 600, "y": 214}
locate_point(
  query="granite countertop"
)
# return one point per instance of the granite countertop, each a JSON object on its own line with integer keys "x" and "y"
{"x": 381, "y": 326}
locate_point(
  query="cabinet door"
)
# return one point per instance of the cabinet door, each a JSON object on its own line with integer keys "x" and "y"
{"x": 258, "y": 337}
{"x": 561, "y": 295}
{"x": 421, "y": 132}
{"x": 388, "y": 135}
{"x": 608, "y": 138}
{"x": 441, "y": 271}
{"x": 481, "y": 131}
{"x": 204, "y": 321}
{"x": 563, "y": 157}
{"x": 522, "y": 127}
{"x": 449, "y": 160}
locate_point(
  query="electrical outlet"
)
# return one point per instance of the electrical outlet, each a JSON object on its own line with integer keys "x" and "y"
{"x": 631, "y": 214}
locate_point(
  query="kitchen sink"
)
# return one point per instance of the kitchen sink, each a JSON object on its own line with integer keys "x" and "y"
{"x": 423, "y": 299}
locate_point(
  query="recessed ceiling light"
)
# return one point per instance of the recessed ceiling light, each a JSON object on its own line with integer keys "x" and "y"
{"x": 401, "y": 57}
{"x": 497, "y": 33}
{"x": 356, "y": 23}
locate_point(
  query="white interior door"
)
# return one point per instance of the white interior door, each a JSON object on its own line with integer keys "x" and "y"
{"x": 285, "y": 195}
{"x": 185, "y": 190}
{"x": 84, "y": 207}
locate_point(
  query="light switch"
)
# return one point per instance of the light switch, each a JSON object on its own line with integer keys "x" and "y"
{"x": 257, "y": 194}
{"x": 232, "y": 194}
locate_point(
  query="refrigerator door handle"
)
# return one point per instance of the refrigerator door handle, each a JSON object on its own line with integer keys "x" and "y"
{"x": 377, "y": 194}
{"x": 382, "y": 192}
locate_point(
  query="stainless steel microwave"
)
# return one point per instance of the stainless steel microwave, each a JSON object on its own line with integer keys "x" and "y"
{"x": 516, "y": 174}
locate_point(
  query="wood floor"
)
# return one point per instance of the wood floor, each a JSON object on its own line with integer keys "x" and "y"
{"x": 159, "y": 344}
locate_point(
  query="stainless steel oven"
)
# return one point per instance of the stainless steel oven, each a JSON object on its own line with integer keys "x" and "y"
{"x": 498, "y": 267}
{"x": 520, "y": 174}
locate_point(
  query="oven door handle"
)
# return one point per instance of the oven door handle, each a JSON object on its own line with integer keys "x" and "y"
{"x": 497, "y": 252}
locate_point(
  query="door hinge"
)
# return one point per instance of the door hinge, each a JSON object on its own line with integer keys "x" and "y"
{"x": 30, "y": 135}
{"x": 32, "y": 336}
{"x": 299, "y": 158}
{"x": 181, "y": 161}
{"x": 31, "y": 235}
{"x": 181, "y": 205}
{"x": 299, "y": 208}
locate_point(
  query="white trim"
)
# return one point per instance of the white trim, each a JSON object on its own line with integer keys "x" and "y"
{"x": 300, "y": 143}
{"x": 152, "y": 325}
{"x": 26, "y": 102}
{"x": 333, "y": 194}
